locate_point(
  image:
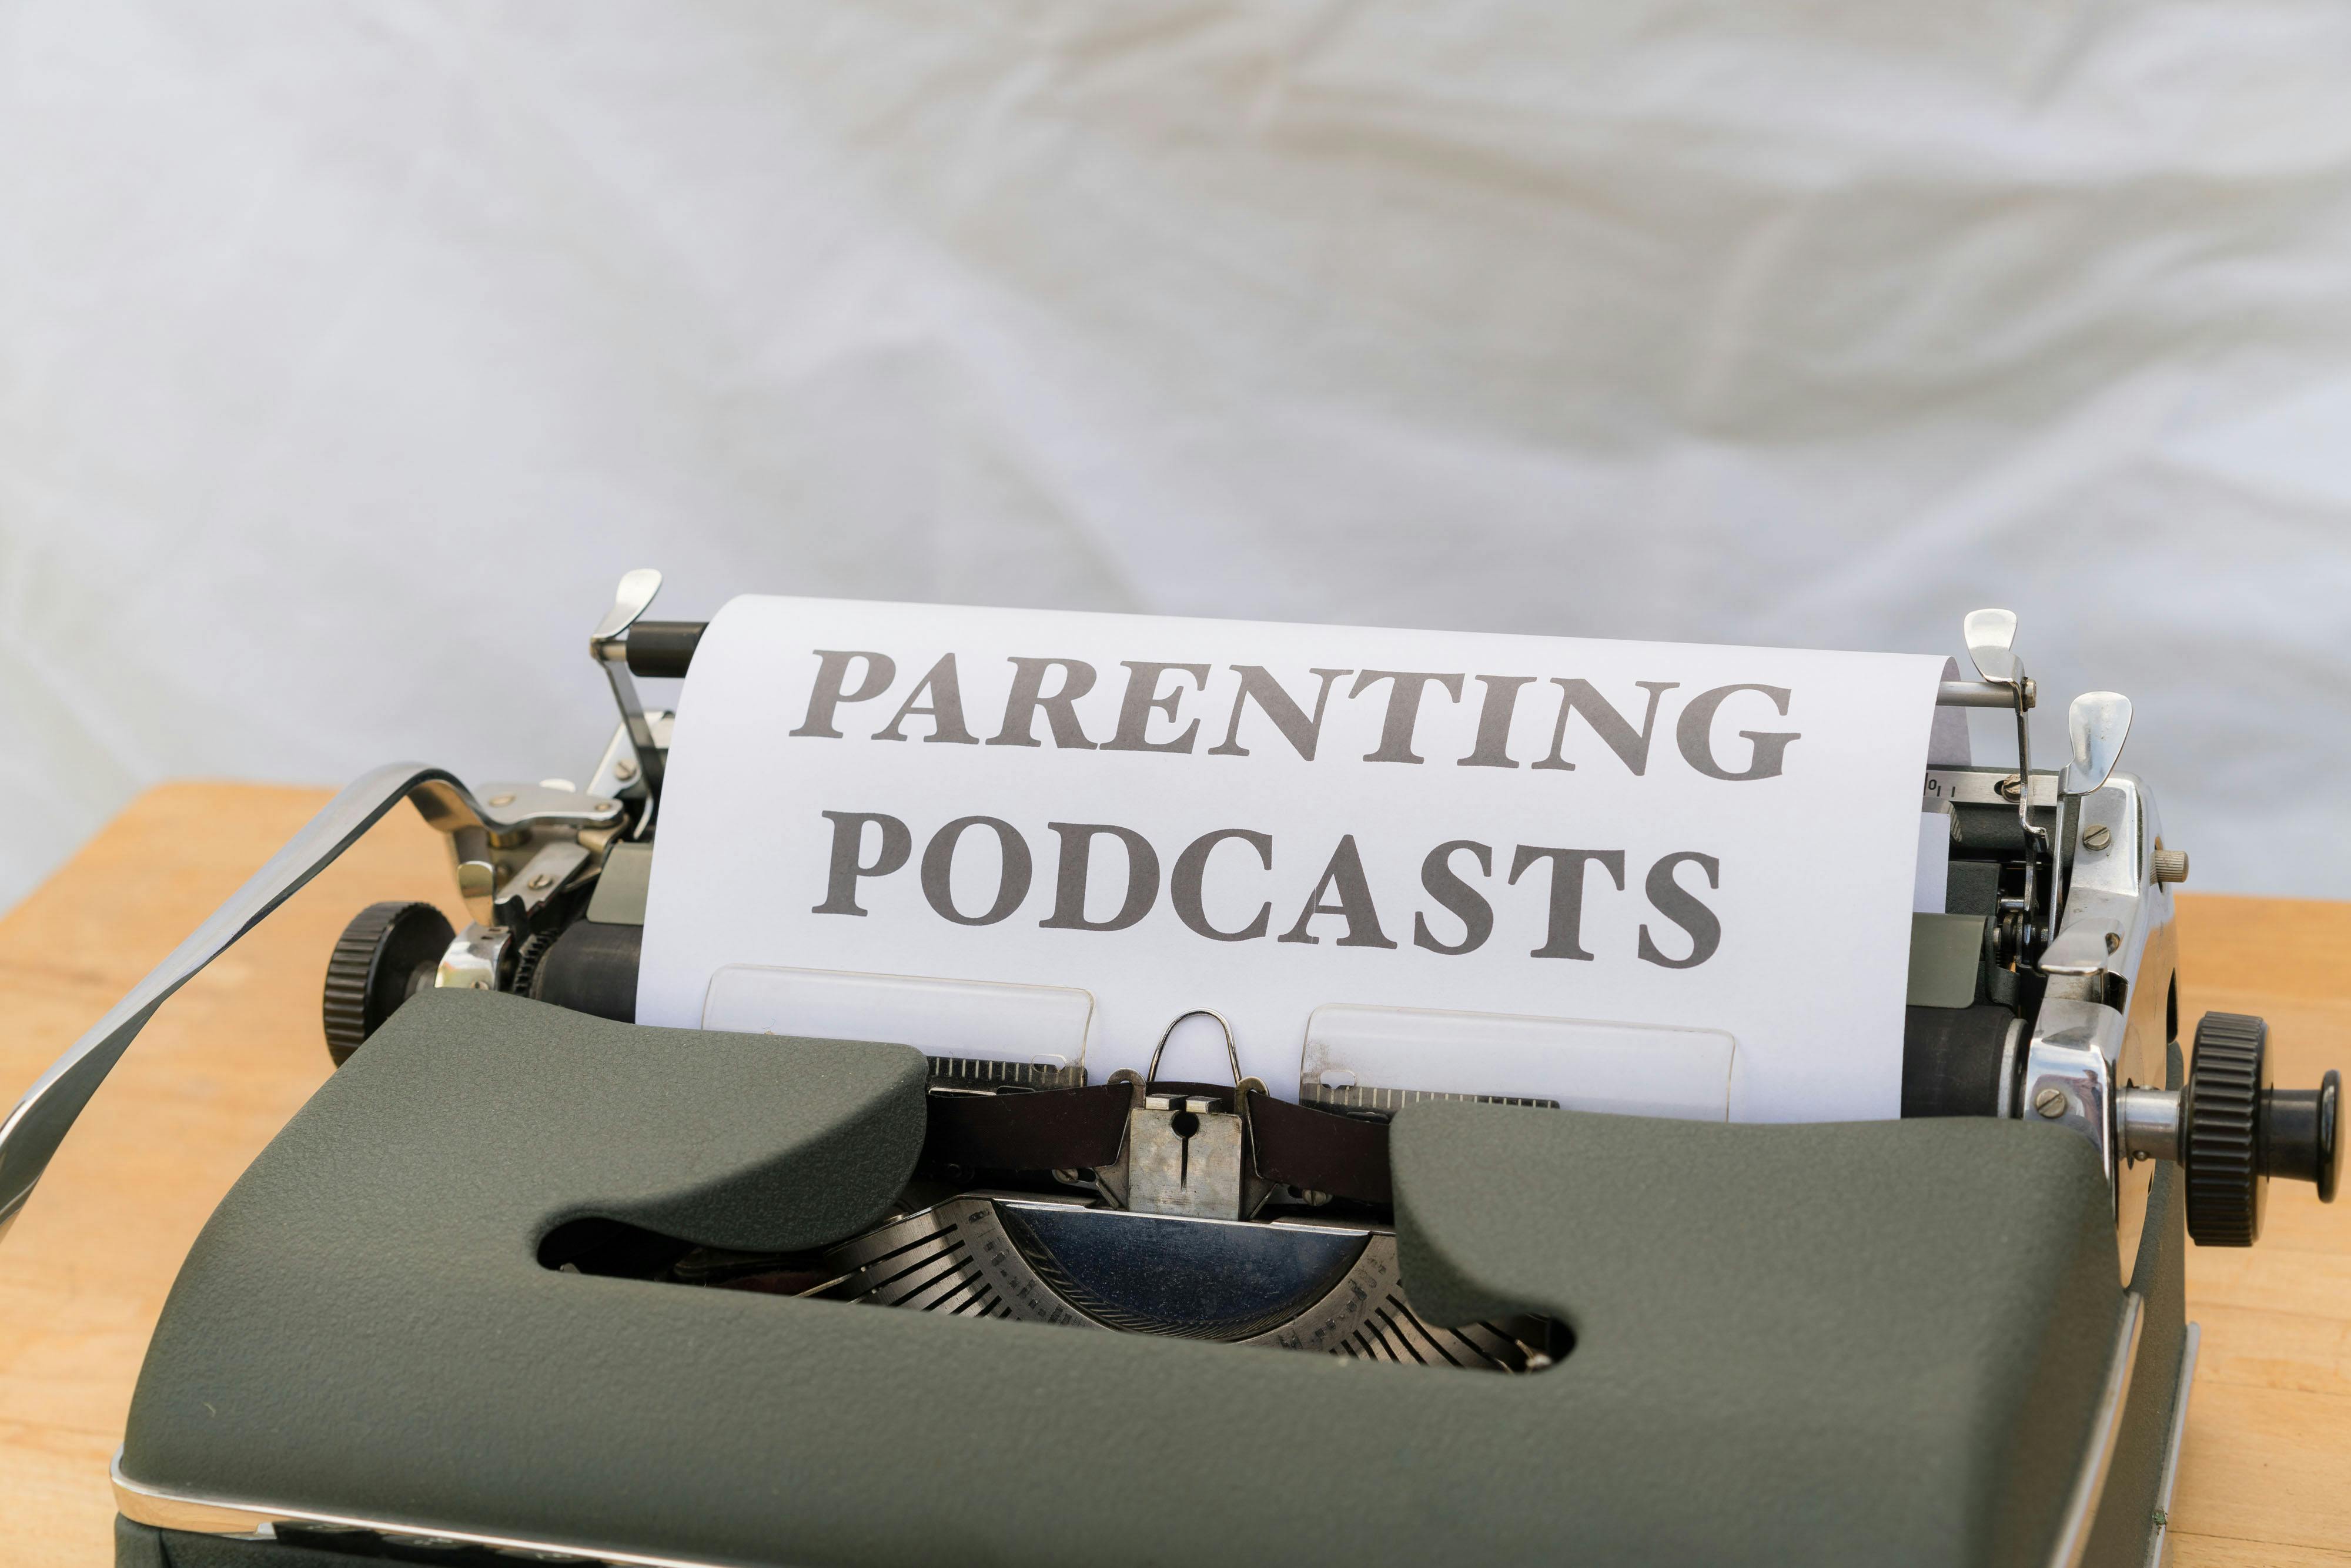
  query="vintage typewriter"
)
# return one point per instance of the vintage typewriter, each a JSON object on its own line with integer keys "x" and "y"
{"x": 525, "y": 1281}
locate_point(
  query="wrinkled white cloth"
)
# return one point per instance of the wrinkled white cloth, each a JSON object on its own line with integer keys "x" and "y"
{"x": 348, "y": 354}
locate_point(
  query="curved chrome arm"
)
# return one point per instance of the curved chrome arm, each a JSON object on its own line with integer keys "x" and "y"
{"x": 39, "y": 1123}
{"x": 609, "y": 647}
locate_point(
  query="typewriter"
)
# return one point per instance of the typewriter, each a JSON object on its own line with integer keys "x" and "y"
{"x": 527, "y": 1281}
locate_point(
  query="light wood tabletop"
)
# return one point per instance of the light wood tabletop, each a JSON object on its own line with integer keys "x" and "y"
{"x": 2264, "y": 1478}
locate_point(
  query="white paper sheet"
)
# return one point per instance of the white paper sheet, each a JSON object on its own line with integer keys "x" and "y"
{"x": 1932, "y": 892}
{"x": 1041, "y": 1026}
{"x": 1641, "y": 1070}
{"x": 1267, "y": 819}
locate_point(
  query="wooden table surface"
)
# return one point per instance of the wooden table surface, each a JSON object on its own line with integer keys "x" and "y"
{"x": 2265, "y": 1478}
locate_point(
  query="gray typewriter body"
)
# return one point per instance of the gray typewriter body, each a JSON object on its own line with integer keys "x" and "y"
{"x": 527, "y": 1281}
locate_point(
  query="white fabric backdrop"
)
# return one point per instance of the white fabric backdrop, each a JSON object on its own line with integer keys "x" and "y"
{"x": 348, "y": 353}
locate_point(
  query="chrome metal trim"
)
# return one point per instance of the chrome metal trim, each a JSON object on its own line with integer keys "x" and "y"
{"x": 1944, "y": 787}
{"x": 2102, "y": 1025}
{"x": 616, "y": 772}
{"x": 168, "y": 1508}
{"x": 1388, "y": 1101}
{"x": 30, "y": 1135}
{"x": 2147, "y": 1123}
{"x": 2011, "y": 1051}
{"x": 2069, "y": 1071}
{"x": 2105, "y": 1431}
{"x": 971, "y": 1074}
{"x": 2162, "y": 1536}
{"x": 2108, "y": 907}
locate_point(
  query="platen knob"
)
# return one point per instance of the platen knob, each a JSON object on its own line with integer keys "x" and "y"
{"x": 384, "y": 956}
{"x": 2220, "y": 1129}
{"x": 2237, "y": 1132}
{"x": 2298, "y": 1134}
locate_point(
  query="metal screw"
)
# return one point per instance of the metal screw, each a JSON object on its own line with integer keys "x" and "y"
{"x": 2097, "y": 838}
{"x": 539, "y": 883}
{"x": 2050, "y": 1103}
{"x": 625, "y": 770}
{"x": 501, "y": 800}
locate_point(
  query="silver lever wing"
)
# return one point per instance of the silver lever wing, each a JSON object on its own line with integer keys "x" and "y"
{"x": 1991, "y": 636}
{"x": 39, "y": 1123}
{"x": 2098, "y": 725}
{"x": 632, "y": 599}
{"x": 608, "y": 646}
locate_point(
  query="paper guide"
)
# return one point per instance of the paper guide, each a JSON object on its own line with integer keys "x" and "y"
{"x": 946, "y": 826}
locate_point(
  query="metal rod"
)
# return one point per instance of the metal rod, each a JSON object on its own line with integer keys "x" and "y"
{"x": 1983, "y": 694}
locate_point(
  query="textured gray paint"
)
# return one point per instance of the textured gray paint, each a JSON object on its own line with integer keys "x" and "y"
{"x": 1796, "y": 1344}
{"x": 1887, "y": 1332}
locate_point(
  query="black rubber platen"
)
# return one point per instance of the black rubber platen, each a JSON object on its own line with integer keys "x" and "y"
{"x": 661, "y": 650}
